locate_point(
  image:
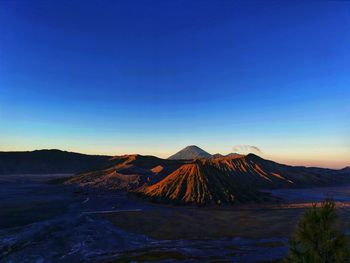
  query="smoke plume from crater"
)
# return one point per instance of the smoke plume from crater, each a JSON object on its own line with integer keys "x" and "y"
{"x": 245, "y": 149}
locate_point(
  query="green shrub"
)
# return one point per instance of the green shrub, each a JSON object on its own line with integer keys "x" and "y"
{"x": 317, "y": 239}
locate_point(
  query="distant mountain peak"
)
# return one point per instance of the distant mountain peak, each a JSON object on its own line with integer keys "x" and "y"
{"x": 190, "y": 152}
{"x": 192, "y": 147}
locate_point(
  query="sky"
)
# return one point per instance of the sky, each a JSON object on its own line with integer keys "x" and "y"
{"x": 150, "y": 77}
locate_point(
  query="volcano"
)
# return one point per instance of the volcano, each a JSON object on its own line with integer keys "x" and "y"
{"x": 190, "y": 152}
{"x": 200, "y": 183}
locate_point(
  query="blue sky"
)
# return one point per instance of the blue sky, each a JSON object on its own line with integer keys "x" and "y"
{"x": 151, "y": 77}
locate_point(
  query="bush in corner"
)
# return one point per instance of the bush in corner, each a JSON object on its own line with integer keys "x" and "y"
{"x": 317, "y": 239}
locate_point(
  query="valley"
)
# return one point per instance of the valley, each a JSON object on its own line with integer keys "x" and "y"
{"x": 73, "y": 225}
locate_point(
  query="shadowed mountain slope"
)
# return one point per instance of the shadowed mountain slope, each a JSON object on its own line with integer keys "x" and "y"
{"x": 346, "y": 169}
{"x": 127, "y": 172}
{"x": 189, "y": 153}
{"x": 48, "y": 162}
{"x": 300, "y": 176}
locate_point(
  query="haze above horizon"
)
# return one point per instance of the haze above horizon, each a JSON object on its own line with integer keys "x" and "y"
{"x": 151, "y": 77}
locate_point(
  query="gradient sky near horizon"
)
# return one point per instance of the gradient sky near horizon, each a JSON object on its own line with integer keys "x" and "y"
{"x": 113, "y": 77}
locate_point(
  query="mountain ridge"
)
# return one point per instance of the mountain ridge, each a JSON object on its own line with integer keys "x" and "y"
{"x": 222, "y": 179}
{"x": 201, "y": 181}
{"x": 127, "y": 172}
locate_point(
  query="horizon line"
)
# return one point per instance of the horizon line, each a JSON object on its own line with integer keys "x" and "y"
{"x": 154, "y": 155}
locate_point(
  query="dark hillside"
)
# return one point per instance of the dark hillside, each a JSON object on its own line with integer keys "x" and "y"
{"x": 48, "y": 162}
